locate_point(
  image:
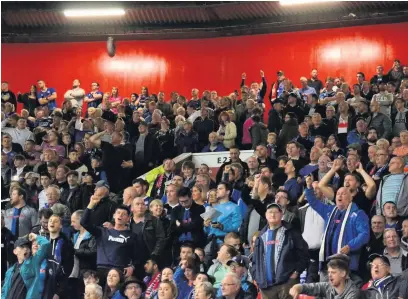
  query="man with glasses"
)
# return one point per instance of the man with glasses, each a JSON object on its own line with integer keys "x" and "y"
{"x": 239, "y": 265}
{"x": 398, "y": 259}
{"x": 132, "y": 288}
{"x": 231, "y": 288}
{"x": 186, "y": 222}
{"x": 383, "y": 284}
{"x": 280, "y": 256}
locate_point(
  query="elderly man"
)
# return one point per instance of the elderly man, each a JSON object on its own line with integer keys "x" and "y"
{"x": 306, "y": 90}
{"x": 347, "y": 229}
{"x": 93, "y": 291}
{"x": 383, "y": 283}
{"x": 214, "y": 145}
{"x": 276, "y": 266}
{"x": 339, "y": 285}
{"x": 394, "y": 188}
{"x": 231, "y": 288}
{"x": 20, "y": 134}
{"x": 393, "y": 251}
{"x": 375, "y": 245}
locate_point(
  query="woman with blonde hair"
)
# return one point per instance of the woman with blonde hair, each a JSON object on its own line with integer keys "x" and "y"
{"x": 167, "y": 290}
{"x": 198, "y": 196}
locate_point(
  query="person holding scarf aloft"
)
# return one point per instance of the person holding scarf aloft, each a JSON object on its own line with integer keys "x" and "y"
{"x": 347, "y": 230}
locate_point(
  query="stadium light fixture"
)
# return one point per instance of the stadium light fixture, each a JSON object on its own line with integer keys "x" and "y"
{"x": 101, "y": 12}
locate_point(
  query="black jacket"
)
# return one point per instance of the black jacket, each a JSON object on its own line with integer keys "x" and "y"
{"x": 29, "y": 104}
{"x": 288, "y": 132}
{"x": 195, "y": 227}
{"x": 187, "y": 142}
{"x": 166, "y": 142}
{"x": 150, "y": 154}
{"x": 154, "y": 235}
{"x": 221, "y": 170}
{"x": 203, "y": 129}
{"x": 275, "y": 121}
{"x": 103, "y": 212}
{"x": 59, "y": 267}
{"x": 86, "y": 253}
{"x": 79, "y": 198}
{"x": 322, "y": 130}
{"x": 7, "y": 245}
{"x": 300, "y": 113}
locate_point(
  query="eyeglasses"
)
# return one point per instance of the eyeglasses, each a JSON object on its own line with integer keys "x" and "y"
{"x": 372, "y": 265}
{"x": 133, "y": 287}
{"x": 227, "y": 284}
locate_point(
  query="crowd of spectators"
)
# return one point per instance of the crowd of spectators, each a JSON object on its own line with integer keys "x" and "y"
{"x": 320, "y": 208}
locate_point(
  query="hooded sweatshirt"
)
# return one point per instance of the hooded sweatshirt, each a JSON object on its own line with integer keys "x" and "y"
{"x": 326, "y": 290}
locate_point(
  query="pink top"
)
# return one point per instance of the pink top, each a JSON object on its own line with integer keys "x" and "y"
{"x": 246, "y": 137}
{"x": 113, "y": 100}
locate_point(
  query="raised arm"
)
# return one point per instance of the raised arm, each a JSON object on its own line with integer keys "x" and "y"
{"x": 324, "y": 182}
{"x": 96, "y": 139}
{"x": 86, "y": 217}
{"x": 371, "y": 186}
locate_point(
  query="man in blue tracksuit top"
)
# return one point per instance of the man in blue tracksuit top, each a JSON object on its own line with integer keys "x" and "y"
{"x": 229, "y": 220}
{"x": 116, "y": 247}
{"x": 347, "y": 229}
{"x": 280, "y": 255}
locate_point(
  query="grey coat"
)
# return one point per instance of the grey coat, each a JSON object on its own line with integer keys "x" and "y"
{"x": 397, "y": 287}
{"x": 382, "y": 123}
{"x": 28, "y": 219}
{"x": 326, "y": 291}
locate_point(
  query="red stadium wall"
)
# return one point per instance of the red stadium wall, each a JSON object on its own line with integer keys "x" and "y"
{"x": 207, "y": 63}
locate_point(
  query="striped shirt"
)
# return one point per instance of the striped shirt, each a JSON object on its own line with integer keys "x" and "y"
{"x": 391, "y": 188}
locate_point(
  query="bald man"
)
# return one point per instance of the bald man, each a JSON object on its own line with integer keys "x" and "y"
{"x": 394, "y": 188}
{"x": 347, "y": 230}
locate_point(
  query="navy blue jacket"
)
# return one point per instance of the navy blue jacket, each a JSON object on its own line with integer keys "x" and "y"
{"x": 294, "y": 256}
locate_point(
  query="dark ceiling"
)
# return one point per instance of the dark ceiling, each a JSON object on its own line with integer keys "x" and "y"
{"x": 45, "y": 22}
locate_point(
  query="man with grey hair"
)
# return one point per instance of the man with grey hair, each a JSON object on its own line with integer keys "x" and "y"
{"x": 231, "y": 287}
{"x": 94, "y": 291}
{"x": 306, "y": 90}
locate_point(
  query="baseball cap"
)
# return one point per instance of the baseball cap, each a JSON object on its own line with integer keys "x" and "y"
{"x": 240, "y": 260}
{"x": 280, "y": 73}
{"x": 274, "y": 205}
{"x": 385, "y": 259}
{"x": 277, "y": 101}
{"x": 101, "y": 183}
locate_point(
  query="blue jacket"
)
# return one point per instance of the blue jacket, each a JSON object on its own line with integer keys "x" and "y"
{"x": 220, "y": 148}
{"x": 357, "y": 229}
{"x": 182, "y": 285}
{"x": 230, "y": 218}
{"x": 354, "y": 137}
{"x": 30, "y": 272}
{"x": 117, "y": 295}
{"x": 294, "y": 256}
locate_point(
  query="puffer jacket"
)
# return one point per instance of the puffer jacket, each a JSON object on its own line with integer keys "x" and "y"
{"x": 382, "y": 123}
{"x": 326, "y": 290}
{"x": 30, "y": 272}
